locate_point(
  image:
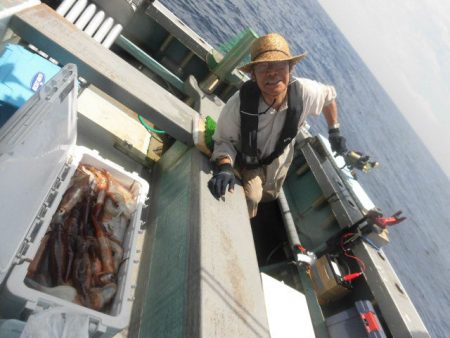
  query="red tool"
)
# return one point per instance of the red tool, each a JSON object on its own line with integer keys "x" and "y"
{"x": 383, "y": 222}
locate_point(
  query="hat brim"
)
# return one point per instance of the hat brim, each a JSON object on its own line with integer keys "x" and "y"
{"x": 247, "y": 68}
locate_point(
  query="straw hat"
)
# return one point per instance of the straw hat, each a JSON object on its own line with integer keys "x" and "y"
{"x": 270, "y": 47}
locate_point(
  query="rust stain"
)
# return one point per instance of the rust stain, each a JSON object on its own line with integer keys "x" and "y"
{"x": 234, "y": 271}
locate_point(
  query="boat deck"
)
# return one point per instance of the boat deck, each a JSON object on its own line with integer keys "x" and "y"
{"x": 201, "y": 259}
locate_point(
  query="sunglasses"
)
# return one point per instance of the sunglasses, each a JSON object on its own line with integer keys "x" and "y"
{"x": 276, "y": 66}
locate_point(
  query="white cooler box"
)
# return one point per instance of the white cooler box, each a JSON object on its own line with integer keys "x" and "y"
{"x": 38, "y": 157}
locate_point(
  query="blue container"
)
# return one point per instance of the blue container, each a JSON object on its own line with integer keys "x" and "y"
{"x": 22, "y": 73}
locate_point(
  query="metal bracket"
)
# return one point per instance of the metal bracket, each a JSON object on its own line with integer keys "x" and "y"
{"x": 204, "y": 103}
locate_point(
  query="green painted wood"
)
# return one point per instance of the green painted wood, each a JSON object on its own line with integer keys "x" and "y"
{"x": 150, "y": 62}
{"x": 235, "y": 54}
{"x": 315, "y": 311}
{"x": 315, "y": 224}
{"x": 203, "y": 279}
{"x": 165, "y": 302}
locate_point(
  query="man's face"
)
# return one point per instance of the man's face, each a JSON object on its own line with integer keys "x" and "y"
{"x": 272, "y": 78}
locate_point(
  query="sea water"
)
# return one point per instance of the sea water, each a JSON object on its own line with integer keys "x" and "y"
{"x": 408, "y": 179}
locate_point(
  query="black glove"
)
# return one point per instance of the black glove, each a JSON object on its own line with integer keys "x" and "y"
{"x": 223, "y": 178}
{"x": 337, "y": 141}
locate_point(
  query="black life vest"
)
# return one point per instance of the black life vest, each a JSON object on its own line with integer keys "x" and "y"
{"x": 249, "y": 95}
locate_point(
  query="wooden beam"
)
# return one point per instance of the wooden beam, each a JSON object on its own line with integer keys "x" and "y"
{"x": 51, "y": 33}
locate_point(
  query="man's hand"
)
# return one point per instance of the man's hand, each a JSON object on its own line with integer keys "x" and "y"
{"x": 337, "y": 141}
{"x": 219, "y": 182}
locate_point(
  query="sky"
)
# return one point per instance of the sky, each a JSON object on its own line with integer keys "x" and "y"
{"x": 406, "y": 45}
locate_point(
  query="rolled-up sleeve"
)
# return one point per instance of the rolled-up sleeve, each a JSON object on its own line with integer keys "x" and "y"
{"x": 316, "y": 95}
{"x": 227, "y": 135}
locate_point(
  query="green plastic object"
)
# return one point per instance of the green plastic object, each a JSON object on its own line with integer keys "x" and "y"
{"x": 235, "y": 55}
{"x": 210, "y": 127}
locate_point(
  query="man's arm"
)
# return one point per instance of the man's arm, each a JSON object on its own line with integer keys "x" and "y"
{"x": 223, "y": 160}
{"x": 226, "y": 138}
{"x": 337, "y": 142}
{"x": 227, "y": 132}
{"x": 331, "y": 114}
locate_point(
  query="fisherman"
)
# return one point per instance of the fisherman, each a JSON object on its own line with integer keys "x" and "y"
{"x": 256, "y": 129}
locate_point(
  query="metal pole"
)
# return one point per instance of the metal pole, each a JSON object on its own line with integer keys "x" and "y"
{"x": 315, "y": 310}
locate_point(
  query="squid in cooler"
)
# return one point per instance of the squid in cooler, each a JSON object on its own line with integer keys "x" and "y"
{"x": 71, "y": 228}
{"x": 117, "y": 254}
{"x": 37, "y": 263}
{"x": 99, "y": 297}
{"x": 105, "y": 208}
{"x": 94, "y": 258}
{"x": 82, "y": 270}
{"x": 76, "y": 192}
{"x": 114, "y": 222}
{"x": 79, "y": 256}
{"x": 58, "y": 249}
{"x": 103, "y": 242}
{"x": 121, "y": 196}
{"x": 119, "y": 207}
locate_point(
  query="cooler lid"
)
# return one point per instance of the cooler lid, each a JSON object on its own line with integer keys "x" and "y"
{"x": 34, "y": 146}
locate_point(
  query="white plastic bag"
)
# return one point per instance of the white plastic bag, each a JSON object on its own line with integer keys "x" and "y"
{"x": 56, "y": 323}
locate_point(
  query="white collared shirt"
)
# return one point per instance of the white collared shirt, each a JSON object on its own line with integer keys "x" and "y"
{"x": 227, "y": 135}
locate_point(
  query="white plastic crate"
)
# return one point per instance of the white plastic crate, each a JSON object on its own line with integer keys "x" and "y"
{"x": 38, "y": 157}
